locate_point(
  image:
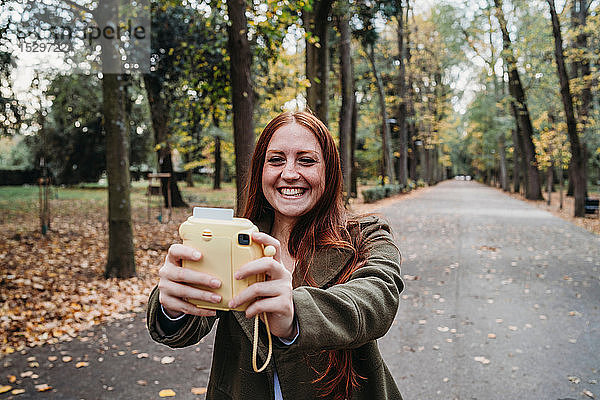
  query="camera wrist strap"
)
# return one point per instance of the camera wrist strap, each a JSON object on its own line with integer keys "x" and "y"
{"x": 255, "y": 344}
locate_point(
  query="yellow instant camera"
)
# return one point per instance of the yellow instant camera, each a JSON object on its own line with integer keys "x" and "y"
{"x": 226, "y": 245}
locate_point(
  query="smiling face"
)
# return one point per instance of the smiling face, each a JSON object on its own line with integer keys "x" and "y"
{"x": 293, "y": 176}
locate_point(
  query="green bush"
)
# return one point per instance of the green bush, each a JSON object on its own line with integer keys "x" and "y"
{"x": 380, "y": 192}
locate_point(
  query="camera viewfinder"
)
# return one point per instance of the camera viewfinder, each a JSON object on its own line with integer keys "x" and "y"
{"x": 243, "y": 239}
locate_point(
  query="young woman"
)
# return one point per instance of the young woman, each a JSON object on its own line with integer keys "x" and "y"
{"x": 333, "y": 285}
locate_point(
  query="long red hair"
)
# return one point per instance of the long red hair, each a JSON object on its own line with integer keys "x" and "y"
{"x": 325, "y": 225}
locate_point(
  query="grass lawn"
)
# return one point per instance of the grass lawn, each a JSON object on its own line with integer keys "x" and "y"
{"x": 21, "y": 203}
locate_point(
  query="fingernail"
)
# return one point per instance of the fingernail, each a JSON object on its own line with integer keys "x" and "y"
{"x": 196, "y": 254}
{"x": 215, "y": 283}
{"x": 215, "y": 298}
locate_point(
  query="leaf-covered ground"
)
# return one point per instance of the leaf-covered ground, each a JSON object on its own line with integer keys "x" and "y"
{"x": 52, "y": 286}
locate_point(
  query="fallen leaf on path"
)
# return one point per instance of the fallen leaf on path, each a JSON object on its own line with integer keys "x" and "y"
{"x": 574, "y": 379}
{"x": 410, "y": 277}
{"x": 67, "y": 359}
{"x": 52, "y": 358}
{"x": 166, "y": 393}
{"x": 167, "y": 360}
{"x": 4, "y": 389}
{"x": 482, "y": 360}
{"x": 43, "y": 387}
{"x": 17, "y": 391}
{"x": 142, "y": 382}
{"x": 199, "y": 390}
{"x": 588, "y": 394}
{"x": 81, "y": 364}
{"x": 12, "y": 378}
{"x": 491, "y": 336}
{"x": 26, "y": 374}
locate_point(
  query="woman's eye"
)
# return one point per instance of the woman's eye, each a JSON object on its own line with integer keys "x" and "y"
{"x": 307, "y": 161}
{"x": 275, "y": 160}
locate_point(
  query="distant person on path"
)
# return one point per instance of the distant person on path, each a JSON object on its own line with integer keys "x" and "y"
{"x": 333, "y": 285}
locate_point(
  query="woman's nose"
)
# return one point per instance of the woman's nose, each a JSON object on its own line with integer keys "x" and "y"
{"x": 289, "y": 172}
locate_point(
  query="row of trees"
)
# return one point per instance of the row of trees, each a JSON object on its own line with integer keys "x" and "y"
{"x": 544, "y": 75}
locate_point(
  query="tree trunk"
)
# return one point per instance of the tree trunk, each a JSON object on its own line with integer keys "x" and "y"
{"x": 242, "y": 96}
{"x": 159, "y": 114}
{"x": 413, "y": 156}
{"x": 401, "y": 85}
{"x": 533, "y": 188}
{"x": 427, "y": 166}
{"x": 347, "y": 79}
{"x": 577, "y": 154}
{"x": 189, "y": 174}
{"x": 217, "y": 168}
{"x": 317, "y": 57}
{"x": 354, "y": 173}
{"x": 386, "y": 140}
{"x": 503, "y": 170}
{"x": 549, "y": 181}
{"x": 516, "y": 161}
{"x": 120, "y": 261}
{"x": 581, "y": 66}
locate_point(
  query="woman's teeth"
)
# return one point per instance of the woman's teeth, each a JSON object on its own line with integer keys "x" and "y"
{"x": 292, "y": 192}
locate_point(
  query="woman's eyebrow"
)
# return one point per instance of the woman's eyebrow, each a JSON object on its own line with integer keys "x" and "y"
{"x": 300, "y": 152}
{"x": 312, "y": 152}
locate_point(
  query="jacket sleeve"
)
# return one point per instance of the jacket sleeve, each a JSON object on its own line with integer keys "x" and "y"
{"x": 190, "y": 333}
{"x": 351, "y": 314}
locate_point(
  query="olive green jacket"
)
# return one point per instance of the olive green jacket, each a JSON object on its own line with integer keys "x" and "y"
{"x": 345, "y": 316}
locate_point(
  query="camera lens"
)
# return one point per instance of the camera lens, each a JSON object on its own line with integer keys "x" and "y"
{"x": 244, "y": 239}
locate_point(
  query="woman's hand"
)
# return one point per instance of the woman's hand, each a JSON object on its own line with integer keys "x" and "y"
{"x": 274, "y": 296}
{"x": 175, "y": 281}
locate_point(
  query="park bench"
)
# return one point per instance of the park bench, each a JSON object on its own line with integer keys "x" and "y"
{"x": 592, "y": 206}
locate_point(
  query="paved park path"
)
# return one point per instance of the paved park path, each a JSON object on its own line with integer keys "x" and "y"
{"x": 501, "y": 302}
{"x": 501, "y": 299}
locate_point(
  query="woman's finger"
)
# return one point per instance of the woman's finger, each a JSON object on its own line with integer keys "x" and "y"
{"x": 268, "y": 240}
{"x": 264, "y": 265}
{"x": 187, "y": 292}
{"x": 258, "y": 289}
{"x": 270, "y": 305}
{"x": 178, "y": 252}
{"x": 186, "y": 275}
{"x": 175, "y": 304}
